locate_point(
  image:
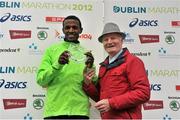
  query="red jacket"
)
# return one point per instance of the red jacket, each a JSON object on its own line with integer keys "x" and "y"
{"x": 125, "y": 84}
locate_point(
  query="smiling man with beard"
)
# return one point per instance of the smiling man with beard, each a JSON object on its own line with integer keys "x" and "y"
{"x": 61, "y": 73}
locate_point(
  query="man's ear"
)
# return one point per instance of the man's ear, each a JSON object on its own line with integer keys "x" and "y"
{"x": 63, "y": 30}
{"x": 81, "y": 30}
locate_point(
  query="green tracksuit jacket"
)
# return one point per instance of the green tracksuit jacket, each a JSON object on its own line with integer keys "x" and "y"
{"x": 65, "y": 95}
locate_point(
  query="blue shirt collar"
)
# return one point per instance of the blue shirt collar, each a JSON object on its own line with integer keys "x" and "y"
{"x": 115, "y": 57}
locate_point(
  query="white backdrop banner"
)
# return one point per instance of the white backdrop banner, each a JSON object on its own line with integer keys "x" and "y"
{"x": 27, "y": 28}
{"x": 153, "y": 29}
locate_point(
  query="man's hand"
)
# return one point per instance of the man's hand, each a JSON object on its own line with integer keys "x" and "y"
{"x": 88, "y": 75}
{"x": 89, "y": 59}
{"x": 64, "y": 58}
{"x": 103, "y": 105}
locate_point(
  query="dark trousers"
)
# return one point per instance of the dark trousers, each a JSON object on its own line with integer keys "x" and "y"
{"x": 79, "y": 117}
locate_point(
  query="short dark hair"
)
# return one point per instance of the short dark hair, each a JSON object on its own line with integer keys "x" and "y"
{"x": 73, "y": 17}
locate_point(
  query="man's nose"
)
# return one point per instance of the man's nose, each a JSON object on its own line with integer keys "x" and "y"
{"x": 71, "y": 29}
